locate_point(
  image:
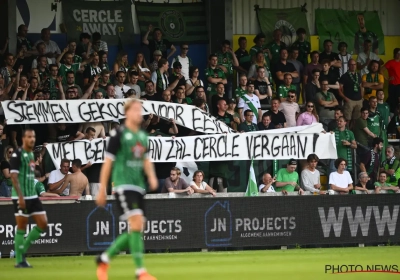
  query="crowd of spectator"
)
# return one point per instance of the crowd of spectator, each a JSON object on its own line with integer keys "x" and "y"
{"x": 345, "y": 95}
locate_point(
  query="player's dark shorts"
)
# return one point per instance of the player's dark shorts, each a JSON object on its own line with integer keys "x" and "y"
{"x": 129, "y": 203}
{"x": 32, "y": 207}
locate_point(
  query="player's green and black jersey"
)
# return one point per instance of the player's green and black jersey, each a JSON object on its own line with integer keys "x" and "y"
{"x": 128, "y": 150}
{"x": 39, "y": 187}
{"x": 23, "y": 163}
{"x": 225, "y": 59}
{"x": 374, "y": 123}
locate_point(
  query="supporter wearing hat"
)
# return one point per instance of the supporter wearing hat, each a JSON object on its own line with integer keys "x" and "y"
{"x": 288, "y": 179}
{"x": 177, "y": 73}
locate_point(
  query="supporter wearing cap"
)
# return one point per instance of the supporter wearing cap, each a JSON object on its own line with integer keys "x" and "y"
{"x": 158, "y": 43}
{"x": 185, "y": 61}
{"x": 250, "y": 101}
{"x": 177, "y": 73}
{"x": 156, "y": 57}
{"x": 288, "y": 179}
{"x": 333, "y": 57}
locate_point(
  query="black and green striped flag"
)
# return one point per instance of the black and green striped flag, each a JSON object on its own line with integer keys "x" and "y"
{"x": 178, "y": 22}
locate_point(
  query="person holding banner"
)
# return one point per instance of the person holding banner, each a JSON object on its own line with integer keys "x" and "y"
{"x": 250, "y": 101}
{"x": 127, "y": 160}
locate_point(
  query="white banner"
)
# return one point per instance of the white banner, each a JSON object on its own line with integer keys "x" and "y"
{"x": 263, "y": 145}
{"x": 98, "y": 110}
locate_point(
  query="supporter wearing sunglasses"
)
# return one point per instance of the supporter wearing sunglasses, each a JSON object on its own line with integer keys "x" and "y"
{"x": 308, "y": 117}
{"x": 290, "y": 108}
{"x": 177, "y": 74}
{"x": 184, "y": 60}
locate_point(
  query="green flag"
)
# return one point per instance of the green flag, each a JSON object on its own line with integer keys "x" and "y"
{"x": 179, "y": 23}
{"x": 352, "y": 27}
{"x": 287, "y": 20}
{"x": 252, "y": 189}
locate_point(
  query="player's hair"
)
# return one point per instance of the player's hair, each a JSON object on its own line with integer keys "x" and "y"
{"x": 178, "y": 171}
{"x": 129, "y": 102}
{"x": 312, "y": 157}
{"x": 65, "y": 160}
{"x": 197, "y": 172}
{"x": 27, "y": 130}
{"x": 90, "y": 129}
{"x": 77, "y": 163}
{"x": 338, "y": 161}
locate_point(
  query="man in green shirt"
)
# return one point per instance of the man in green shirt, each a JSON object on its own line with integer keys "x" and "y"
{"x": 214, "y": 76}
{"x": 242, "y": 88}
{"x": 383, "y": 108}
{"x": 362, "y": 133}
{"x": 288, "y": 179}
{"x": 275, "y": 46}
{"x": 383, "y": 185}
{"x": 345, "y": 143}
{"x": 391, "y": 165}
{"x": 227, "y": 59}
{"x": 285, "y": 87}
{"x": 303, "y": 46}
{"x": 247, "y": 125}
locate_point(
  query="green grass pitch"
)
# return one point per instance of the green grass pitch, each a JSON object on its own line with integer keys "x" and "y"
{"x": 266, "y": 264}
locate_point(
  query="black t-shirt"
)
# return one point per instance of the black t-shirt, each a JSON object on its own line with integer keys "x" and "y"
{"x": 311, "y": 92}
{"x": 332, "y": 78}
{"x": 4, "y": 165}
{"x": 227, "y": 118}
{"x": 244, "y": 59}
{"x": 261, "y": 126}
{"x": 91, "y": 71}
{"x": 262, "y": 87}
{"x": 164, "y": 45}
{"x": 214, "y": 102}
{"x": 172, "y": 78}
{"x": 67, "y": 134}
{"x": 277, "y": 119}
{"x": 162, "y": 126}
{"x": 349, "y": 86}
{"x": 280, "y": 67}
{"x": 331, "y": 57}
{"x": 153, "y": 97}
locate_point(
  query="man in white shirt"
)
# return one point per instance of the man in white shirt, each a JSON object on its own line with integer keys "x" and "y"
{"x": 58, "y": 177}
{"x": 310, "y": 177}
{"x": 185, "y": 61}
{"x": 52, "y": 49}
{"x": 250, "y": 101}
{"x": 266, "y": 186}
{"x": 290, "y": 108}
{"x": 365, "y": 57}
{"x": 120, "y": 88}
